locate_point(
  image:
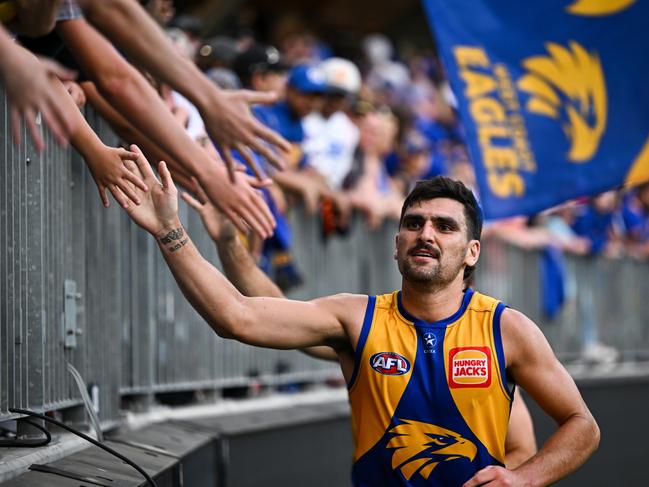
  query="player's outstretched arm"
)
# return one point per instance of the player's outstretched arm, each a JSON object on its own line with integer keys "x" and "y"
{"x": 269, "y": 322}
{"x": 239, "y": 266}
{"x": 534, "y": 366}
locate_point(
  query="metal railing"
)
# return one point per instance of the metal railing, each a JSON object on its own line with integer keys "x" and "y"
{"x": 81, "y": 284}
{"x": 604, "y": 298}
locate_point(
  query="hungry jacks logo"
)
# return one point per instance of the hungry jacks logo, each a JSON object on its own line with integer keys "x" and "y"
{"x": 469, "y": 367}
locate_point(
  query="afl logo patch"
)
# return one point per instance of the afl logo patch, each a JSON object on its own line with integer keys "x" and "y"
{"x": 389, "y": 363}
{"x": 469, "y": 367}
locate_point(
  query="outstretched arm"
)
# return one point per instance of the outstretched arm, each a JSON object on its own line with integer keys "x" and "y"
{"x": 239, "y": 266}
{"x": 268, "y": 322}
{"x": 534, "y": 366}
{"x": 127, "y": 90}
{"x": 27, "y": 83}
{"x": 106, "y": 164}
{"x": 126, "y": 131}
{"x": 226, "y": 114}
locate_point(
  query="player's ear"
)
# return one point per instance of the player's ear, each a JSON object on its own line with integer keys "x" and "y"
{"x": 472, "y": 253}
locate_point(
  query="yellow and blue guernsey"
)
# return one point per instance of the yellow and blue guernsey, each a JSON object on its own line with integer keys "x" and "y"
{"x": 430, "y": 401}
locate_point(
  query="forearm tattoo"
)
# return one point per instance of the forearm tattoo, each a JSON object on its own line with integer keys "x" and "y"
{"x": 175, "y": 234}
{"x": 174, "y": 237}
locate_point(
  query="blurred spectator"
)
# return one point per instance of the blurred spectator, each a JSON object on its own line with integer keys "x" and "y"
{"x": 217, "y": 52}
{"x": 261, "y": 68}
{"x": 596, "y": 222}
{"x": 559, "y": 223}
{"x": 415, "y": 160}
{"x": 298, "y": 44}
{"x": 181, "y": 41}
{"x": 304, "y": 90}
{"x": 331, "y": 138}
{"x": 224, "y": 78}
{"x": 371, "y": 190}
{"x": 192, "y": 26}
{"x": 385, "y": 74}
{"x": 635, "y": 213}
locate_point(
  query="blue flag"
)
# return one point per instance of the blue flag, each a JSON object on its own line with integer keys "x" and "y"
{"x": 554, "y": 95}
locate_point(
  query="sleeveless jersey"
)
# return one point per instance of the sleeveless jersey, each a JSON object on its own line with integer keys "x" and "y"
{"x": 430, "y": 402}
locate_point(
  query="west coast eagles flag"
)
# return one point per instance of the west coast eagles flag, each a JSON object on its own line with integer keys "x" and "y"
{"x": 554, "y": 95}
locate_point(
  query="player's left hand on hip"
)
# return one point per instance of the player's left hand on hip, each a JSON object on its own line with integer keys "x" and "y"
{"x": 494, "y": 476}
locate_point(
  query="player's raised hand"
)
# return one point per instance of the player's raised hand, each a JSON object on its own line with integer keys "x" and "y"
{"x": 158, "y": 208}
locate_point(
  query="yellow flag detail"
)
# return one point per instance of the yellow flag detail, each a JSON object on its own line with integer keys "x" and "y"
{"x": 569, "y": 85}
{"x": 598, "y": 8}
{"x": 639, "y": 172}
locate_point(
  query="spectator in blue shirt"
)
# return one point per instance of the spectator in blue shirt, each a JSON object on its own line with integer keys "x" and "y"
{"x": 597, "y": 223}
{"x": 304, "y": 93}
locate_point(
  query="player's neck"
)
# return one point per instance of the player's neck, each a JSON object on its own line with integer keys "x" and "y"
{"x": 432, "y": 303}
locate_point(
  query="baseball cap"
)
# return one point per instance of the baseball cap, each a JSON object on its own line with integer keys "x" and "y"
{"x": 307, "y": 79}
{"x": 258, "y": 58}
{"x": 341, "y": 75}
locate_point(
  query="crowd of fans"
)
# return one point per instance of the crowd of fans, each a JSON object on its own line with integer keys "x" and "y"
{"x": 260, "y": 126}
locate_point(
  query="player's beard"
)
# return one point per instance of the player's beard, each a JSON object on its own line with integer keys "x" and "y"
{"x": 440, "y": 272}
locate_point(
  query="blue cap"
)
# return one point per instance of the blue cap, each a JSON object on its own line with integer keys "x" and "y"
{"x": 307, "y": 79}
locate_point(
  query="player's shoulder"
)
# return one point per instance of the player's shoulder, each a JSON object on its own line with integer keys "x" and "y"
{"x": 346, "y": 306}
{"x": 516, "y": 323}
{"x": 345, "y": 299}
{"x": 520, "y": 335}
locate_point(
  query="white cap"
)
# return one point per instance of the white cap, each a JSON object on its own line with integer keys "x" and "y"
{"x": 341, "y": 74}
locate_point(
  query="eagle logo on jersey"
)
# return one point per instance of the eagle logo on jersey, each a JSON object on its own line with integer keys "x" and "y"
{"x": 568, "y": 85}
{"x": 421, "y": 447}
